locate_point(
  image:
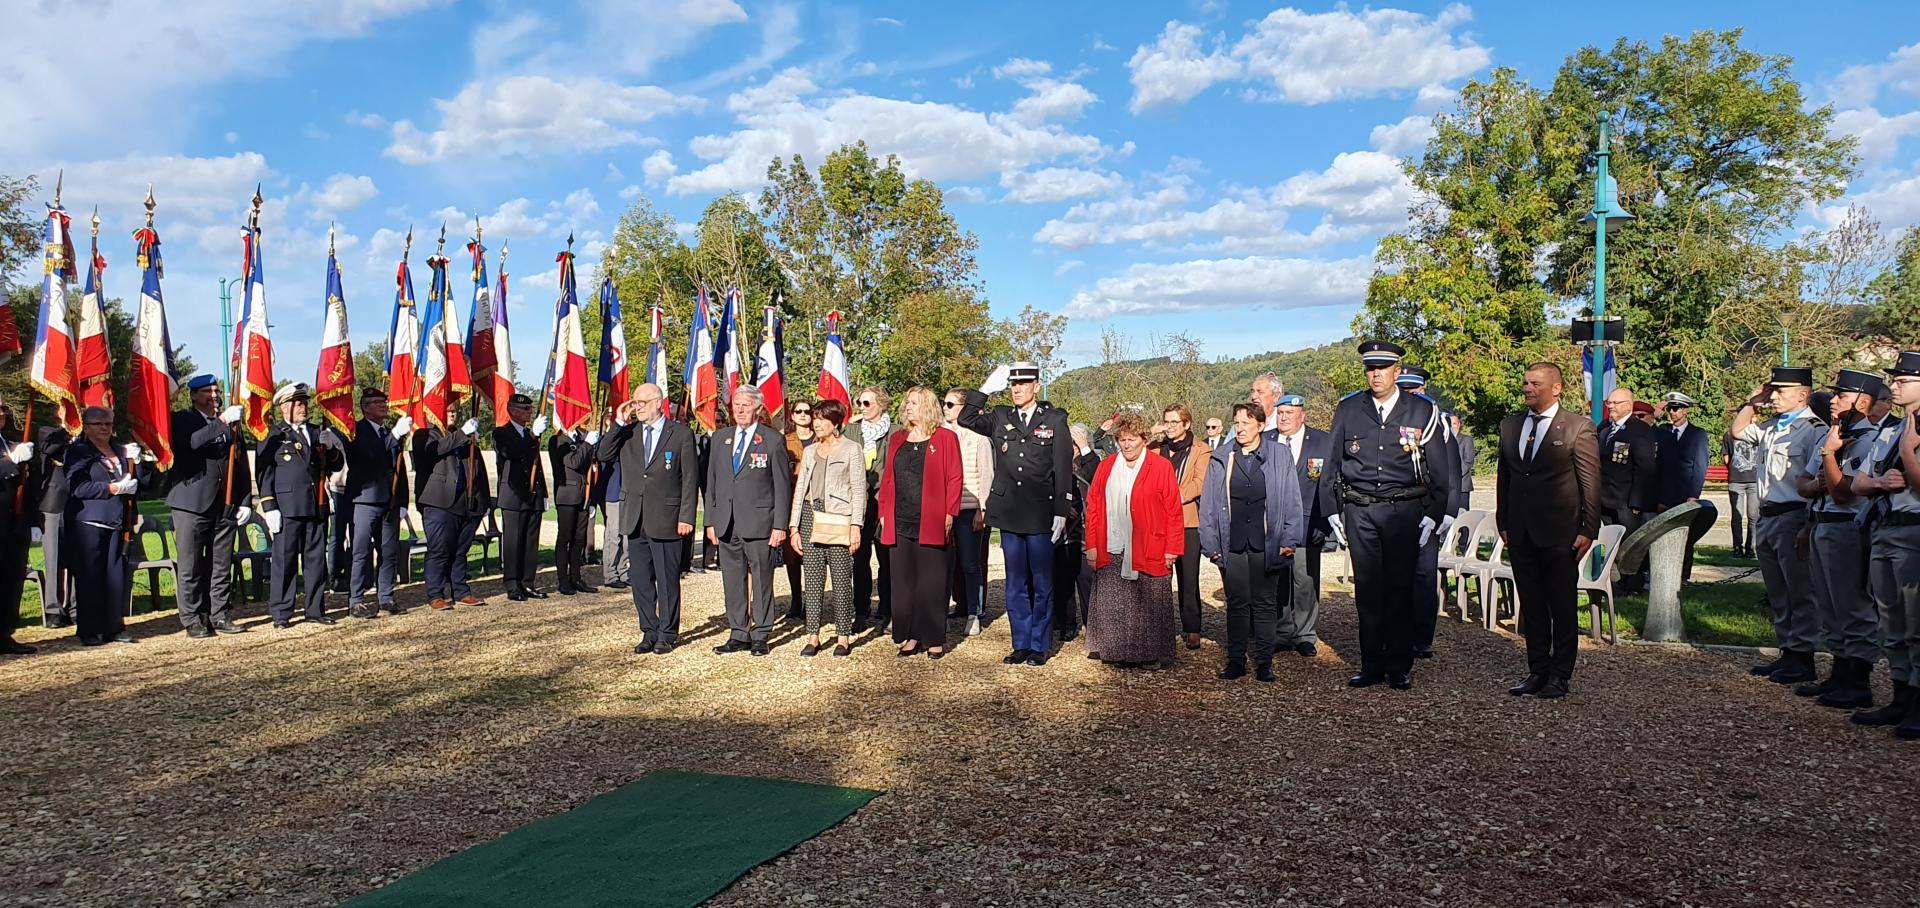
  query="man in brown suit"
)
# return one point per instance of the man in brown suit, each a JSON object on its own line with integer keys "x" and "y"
{"x": 1548, "y": 512}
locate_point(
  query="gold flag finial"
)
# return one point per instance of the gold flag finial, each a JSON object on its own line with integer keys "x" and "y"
{"x": 253, "y": 217}
{"x": 96, "y": 215}
{"x": 149, "y": 203}
{"x": 503, "y": 258}
{"x": 329, "y": 239}
{"x": 59, "y": 181}
{"x": 407, "y": 251}
{"x": 437, "y": 250}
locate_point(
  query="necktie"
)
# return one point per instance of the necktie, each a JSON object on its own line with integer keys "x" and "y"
{"x": 738, "y": 449}
{"x": 1533, "y": 427}
{"x": 1025, "y": 417}
{"x": 646, "y": 442}
{"x": 1383, "y": 413}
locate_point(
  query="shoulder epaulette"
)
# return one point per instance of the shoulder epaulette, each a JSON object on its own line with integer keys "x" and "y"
{"x": 1353, "y": 393}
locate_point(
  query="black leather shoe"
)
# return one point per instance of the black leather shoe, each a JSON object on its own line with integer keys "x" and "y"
{"x": 1400, "y": 681}
{"x": 534, "y": 592}
{"x": 619, "y": 585}
{"x": 842, "y": 650}
{"x": 124, "y": 637}
{"x": 810, "y": 650}
{"x": 228, "y": 627}
{"x": 1529, "y": 687}
{"x": 1233, "y": 670}
{"x": 1306, "y": 648}
{"x": 1424, "y": 652}
{"x": 1792, "y": 673}
{"x": 580, "y": 587}
{"x": 93, "y": 641}
{"x": 905, "y": 653}
{"x": 731, "y": 646}
{"x": 1766, "y": 668}
{"x": 58, "y": 622}
{"x": 196, "y": 632}
{"x": 392, "y": 608}
{"x": 1017, "y": 657}
{"x": 323, "y": 619}
{"x": 643, "y": 649}
{"x": 12, "y": 647}
{"x": 1067, "y": 634}
{"x": 761, "y": 649}
{"x": 282, "y": 624}
{"x": 661, "y": 649}
{"x": 516, "y": 596}
{"x": 1366, "y": 679}
{"x": 1554, "y": 689}
{"x": 1037, "y": 658}
{"x": 1264, "y": 673}
{"x": 361, "y": 611}
{"x": 563, "y": 590}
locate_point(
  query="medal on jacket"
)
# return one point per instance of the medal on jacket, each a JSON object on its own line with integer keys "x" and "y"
{"x": 1313, "y": 467}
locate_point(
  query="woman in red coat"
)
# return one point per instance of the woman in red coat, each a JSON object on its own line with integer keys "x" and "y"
{"x": 1135, "y": 534}
{"x": 919, "y": 497}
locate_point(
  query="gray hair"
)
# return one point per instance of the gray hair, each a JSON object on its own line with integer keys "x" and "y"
{"x": 1080, "y": 430}
{"x": 752, "y": 391}
{"x": 1272, "y": 382}
{"x": 95, "y": 414}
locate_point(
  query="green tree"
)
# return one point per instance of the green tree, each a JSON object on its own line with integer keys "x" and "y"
{"x": 26, "y": 312}
{"x": 1894, "y": 295}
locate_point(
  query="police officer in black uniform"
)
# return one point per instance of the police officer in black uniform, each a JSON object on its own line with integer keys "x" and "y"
{"x": 1443, "y": 454}
{"x": 292, "y": 467}
{"x": 1387, "y": 497}
{"x": 207, "y": 493}
{"x": 1031, "y": 499}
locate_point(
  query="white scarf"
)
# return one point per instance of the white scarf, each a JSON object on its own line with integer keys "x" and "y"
{"x": 872, "y": 430}
{"x": 1119, "y": 514}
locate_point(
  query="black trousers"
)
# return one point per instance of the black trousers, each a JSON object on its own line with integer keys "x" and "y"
{"x": 339, "y": 560}
{"x": 299, "y": 552}
{"x": 203, "y": 543}
{"x": 1186, "y": 576}
{"x": 1069, "y": 602}
{"x": 920, "y": 579}
{"x": 1427, "y": 592}
{"x": 449, "y": 538}
{"x": 863, "y": 573}
{"x": 100, "y": 590}
{"x": 519, "y": 548}
{"x": 1547, "y": 580}
{"x": 746, "y": 578}
{"x": 796, "y": 584}
{"x": 653, "y": 567}
{"x": 15, "y": 538}
{"x": 1253, "y": 606}
{"x": 1383, "y": 540}
{"x": 376, "y": 530}
{"x": 570, "y": 544}
{"x": 1629, "y": 583}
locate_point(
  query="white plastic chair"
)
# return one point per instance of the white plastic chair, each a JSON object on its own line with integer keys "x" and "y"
{"x": 1470, "y": 564}
{"x": 1596, "y": 576}
{"x": 1452, "y": 551}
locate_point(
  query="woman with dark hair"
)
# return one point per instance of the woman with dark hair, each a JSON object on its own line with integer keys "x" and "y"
{"x": 829, "y": 502}
{"x": 1250, "y": 523}
{"x": 102, "y": 480}
{"x": 1135, "y": 534}
{"x": 919, "y": 497}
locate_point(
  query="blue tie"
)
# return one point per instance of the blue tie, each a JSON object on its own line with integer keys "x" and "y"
{"x": 739, "y": 450}
{"x": 646, "y": 442}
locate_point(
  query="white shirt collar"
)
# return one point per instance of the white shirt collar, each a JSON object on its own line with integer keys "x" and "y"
{"x": 741, "y": 433}
{"x": 1549, "y": 413}
{"x": 1393, "y": 400}
{"x": 656, "y": 422}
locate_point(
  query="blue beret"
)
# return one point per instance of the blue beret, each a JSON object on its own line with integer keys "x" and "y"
{"x": 202, "y": 380}
{"x": 1291, "y": 400}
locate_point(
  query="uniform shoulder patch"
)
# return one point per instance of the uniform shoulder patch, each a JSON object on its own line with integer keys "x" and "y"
{"x": 1353, "y": 394}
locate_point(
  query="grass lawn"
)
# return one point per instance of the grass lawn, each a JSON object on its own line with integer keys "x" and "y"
{"x": 1734, "y": 614}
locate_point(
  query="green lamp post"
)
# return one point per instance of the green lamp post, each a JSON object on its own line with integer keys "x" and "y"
{"x": 1606, "y": 213}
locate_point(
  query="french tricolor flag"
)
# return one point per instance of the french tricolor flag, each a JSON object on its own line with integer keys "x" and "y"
{"x": 703, "y": 387}
{"x": 150, "y": 381}
{"x": 833, "y": 366}
{"x": 51, "y": 371}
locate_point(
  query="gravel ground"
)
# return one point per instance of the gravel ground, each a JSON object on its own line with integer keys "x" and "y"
{"x": 302, "y": 767}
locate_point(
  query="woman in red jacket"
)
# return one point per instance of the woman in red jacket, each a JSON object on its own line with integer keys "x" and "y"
{"x": 1135, "y": 534}
{"x": 919, "y": 497}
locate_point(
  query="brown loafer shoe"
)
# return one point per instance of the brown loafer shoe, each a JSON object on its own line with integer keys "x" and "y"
{"x": 440, "y": 605}
{"x": 472, "y": 600}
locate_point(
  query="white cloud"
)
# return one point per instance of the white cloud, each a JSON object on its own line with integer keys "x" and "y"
{"x": 232, "y": 137}
{"x": 533, "y": 115}
{"x": 1211, "y": 284}
{"x": 630, "y": 193}
{"x": 1310, "y": 58}
{"x": 1067, "y": 266}
{"x": 658, "y": 167}
{"x": 1879, "y": 135}
{"x": 1056, "y": 184}
{"x": 367, "y": 120}
{"x": 936, "y": 141}
{"x": 1402, "y": 138}
{"x": 711, "y": 12}
{"x": 1894, "y": 201}
{"x": 1858, "y": 86}
{"x": 965, "y": 195}
{"x": 186, "y": 189}
{"x": 1052, "y": 100}
{"x": 614, "y": 174}
{"x": 1022, "y": 68}
{"x": 342, "y": 193}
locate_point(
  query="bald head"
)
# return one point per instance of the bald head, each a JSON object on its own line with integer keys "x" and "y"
{"x": 1619, "y": 404}
{"x": 645, "y": 405}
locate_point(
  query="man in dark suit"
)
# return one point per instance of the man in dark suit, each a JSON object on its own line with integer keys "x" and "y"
{"x": 1629, "y": 472}
{"x": 1681, "y": 453}
{"x": 748, "y": 501}
{"x": 1548, "y": 512}
{"x": 377, "y": 495}
{"x": 570, "y": 455}
{"x": 293, "y": 463}
{"x": 207, "y": 493}
{"x": 49, "y": 489}
{"x": 659, "y": 491}
{"x": 523, "y": 498}
{"x": 1309, "y": 447}
{"x": 1033, "y": 495}
{"x": 1445, "y": 453}
{"x": 450, "y": 483}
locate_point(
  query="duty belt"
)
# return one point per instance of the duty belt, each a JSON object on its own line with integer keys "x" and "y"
{"x": 1775, "y": 509}
{"x": 1355, "y": 496}
{"x": 1899, "y": 519}
{"x": 1834, "y": 517}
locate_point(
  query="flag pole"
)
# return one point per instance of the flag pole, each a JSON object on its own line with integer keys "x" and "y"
{"x": 400, "y": 456}
{"x": 253, "y": 227}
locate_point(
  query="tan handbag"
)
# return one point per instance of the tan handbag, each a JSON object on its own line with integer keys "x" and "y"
{"x": 831, "y": 529}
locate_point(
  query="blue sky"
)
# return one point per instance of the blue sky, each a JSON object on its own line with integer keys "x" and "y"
{"x": 1220, "y": 168}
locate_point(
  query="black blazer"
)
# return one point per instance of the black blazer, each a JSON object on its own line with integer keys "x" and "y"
{"x": 570, "y": 457}
{"x": 442, "y": 461}
{"x": 517, "y": 456}
{"x": 50, "y": 471}
{"x": 1369, "y": 456}
{"x": 291, "y": 472}
{"x": 1547, "y": 501}
{"x": 198, "y": 481}
{"x": 1683, "y": 463}
{"x": 1032, "y": 466}
{"x": 1629, "y": 467}
{"x": 1310, "y": 466}
{"x": 754, "y": 500}
{"x": 658, "y": 495}
{"x": 370, "y": 467}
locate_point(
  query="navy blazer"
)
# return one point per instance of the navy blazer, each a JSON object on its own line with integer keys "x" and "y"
{"x": 88, "y": 473}
{"x": 291, "y": 469}
{"x": 198, "y": 481}
{"x": 753, "y": 501}
{"x": 516, "y": 457}
{"x": 1311, "y": 467}
{"x": 660, "y": 494}
{"x": 370, "y": 467}
{"x": 1683, "y": 463}
{"x": 570, "y": 457}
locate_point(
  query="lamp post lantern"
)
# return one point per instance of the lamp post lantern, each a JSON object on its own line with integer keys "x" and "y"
{"x": 1606, "y": 213}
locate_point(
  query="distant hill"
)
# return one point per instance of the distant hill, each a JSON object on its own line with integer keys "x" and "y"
{"x": 1090, "y": 393}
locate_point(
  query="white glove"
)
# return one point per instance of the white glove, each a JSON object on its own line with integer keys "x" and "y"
{"x": 1426, "y": 530}
{"x": 22, "y": 452}
{"x": 132, "y": 451}
{"x": 403, "y": 515}
{"x": 35, "y": 534}
{"x": 242, "y": 513}
{"x": 273, "y": 521}
{"x": 540, "y": 424}
{"x": 471, "y": 427}
{"x": 403, "y": 428}
{"x": 1339, "y": 530}
{"x": 125, "y": 485}
{"x": 232, "y": 414}
{"x": 1446, "y": 523}
{"x": 593, "y": 438}
{"x": 1059, "y": 529}
{"x": 997, "y": 382}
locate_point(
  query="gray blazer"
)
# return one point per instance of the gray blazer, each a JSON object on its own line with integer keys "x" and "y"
{"x": 743, "y": 502}
{"x": 846, "y": 479}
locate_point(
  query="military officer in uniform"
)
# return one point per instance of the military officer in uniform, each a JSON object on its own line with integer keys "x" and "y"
{"x": 1783, "y": 444}
{"x": 1031, "y": 499}
{"x": 207, "y": 492}
{"x": 1629, "y": 473}
{"x": 1386, "y": 497}
{"x": 376, "y": 496}
{"x": 570, "y": 454}
{"x": 523, "y": 498}
{"x": 1837, "y": 550}
{"x": 1445, "y": 454}
{"x": 1893, "y": 569}
{"x": 293, "y": 463}
{"x": 450, "y": 484}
